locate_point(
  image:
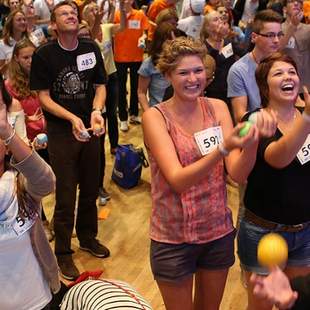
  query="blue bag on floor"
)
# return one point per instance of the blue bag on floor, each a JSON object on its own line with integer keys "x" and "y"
{"x": 128, "y": 165}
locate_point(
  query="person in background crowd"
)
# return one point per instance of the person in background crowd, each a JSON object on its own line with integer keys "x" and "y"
{"x": 192, "y": 24}
{"x": 197, "y": 239}
{"x": 103, "y": 34}
{"x": 154, "y": 9}
{"x": 298, "y": 39}
{"x": 69, "y": 75}
{"x": 281, "y": 168}
{"x": 211, "y": 5}
{"x": 128, "y": 54}
{"x": 214, "y": 35}
{"x": 152, "y": 84}
{"x": 15, "y": 29}
{"x": 241, "y": 82}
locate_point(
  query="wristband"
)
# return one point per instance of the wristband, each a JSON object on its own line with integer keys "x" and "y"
{"x": 222, "y": 149}
{"x": 306, "y": 116}
{"x": 96, "y": 110}
{"x": 8, "y": 140}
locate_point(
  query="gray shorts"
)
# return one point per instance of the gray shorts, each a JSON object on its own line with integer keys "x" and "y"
{"x": 173, "y": 262}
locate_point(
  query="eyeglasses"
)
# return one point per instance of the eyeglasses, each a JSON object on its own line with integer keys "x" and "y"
{"x": 272, "y": 35}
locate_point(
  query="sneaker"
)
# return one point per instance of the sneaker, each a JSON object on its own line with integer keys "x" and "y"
{"x": 48, "y": 231}
{"x": 135, "y": 120}
{"x": 124, "y": 126}
{"x": 95, "y": 248}
{"x": 104, "y": 194}
{"x": 67, "y": 267}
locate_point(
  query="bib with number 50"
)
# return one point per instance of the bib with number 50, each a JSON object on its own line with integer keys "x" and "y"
{"x": 208, "y": 139}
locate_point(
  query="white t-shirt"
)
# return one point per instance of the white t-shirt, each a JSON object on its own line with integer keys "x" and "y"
{"x": 23, "y": 286}
{"x": 191, "y": 25}
{"x": 6, "y": 51}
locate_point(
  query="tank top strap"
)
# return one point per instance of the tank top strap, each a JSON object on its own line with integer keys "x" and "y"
{"x": 161, "y": 109}
{"x": 208, "y": 111}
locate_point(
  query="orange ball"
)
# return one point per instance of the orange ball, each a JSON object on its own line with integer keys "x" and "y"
{"x": 272, "y": 250}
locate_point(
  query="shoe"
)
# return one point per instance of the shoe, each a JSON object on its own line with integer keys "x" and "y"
{"x": 48, "y": 231}
{"x": 67, "y": 267}
{"x": 135, "y": 120}
{"x": 94, "y": 247}
{"x": 104, "y": 194}
{"x": 124, "y": 126}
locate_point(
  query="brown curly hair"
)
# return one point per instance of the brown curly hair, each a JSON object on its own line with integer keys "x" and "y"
{"x": 174, "y": 49}
{"x": 17, "y": 75}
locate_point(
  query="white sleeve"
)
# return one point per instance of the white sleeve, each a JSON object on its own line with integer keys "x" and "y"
{"x": 17, "y": 121}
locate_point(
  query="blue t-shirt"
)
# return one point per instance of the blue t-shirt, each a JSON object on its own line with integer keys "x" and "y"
{"x": 241, "y": 81}
{"x": 158, "y": 83}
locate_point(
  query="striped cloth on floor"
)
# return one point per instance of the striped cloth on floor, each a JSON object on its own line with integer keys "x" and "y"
{"x": 104, "y": 295}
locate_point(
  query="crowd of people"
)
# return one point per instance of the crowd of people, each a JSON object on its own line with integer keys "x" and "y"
{"x": 198, "y": 70}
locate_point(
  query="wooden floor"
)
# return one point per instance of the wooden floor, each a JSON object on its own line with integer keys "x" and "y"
{"x": 125, "y": 233}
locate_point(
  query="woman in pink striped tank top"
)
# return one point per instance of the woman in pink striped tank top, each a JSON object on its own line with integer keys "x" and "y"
{"x": 189, "y": 140}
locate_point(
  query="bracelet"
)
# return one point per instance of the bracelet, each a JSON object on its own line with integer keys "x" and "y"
{"x": 222, "y": 149}
{"x": 8, "y": 140}
{"x": 306, "y": 116}
{"x": 96, "y": 110}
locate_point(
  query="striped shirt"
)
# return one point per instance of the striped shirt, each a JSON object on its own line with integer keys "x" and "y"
{"x": 103, "y": 295}
{"x": 199, "y": 214}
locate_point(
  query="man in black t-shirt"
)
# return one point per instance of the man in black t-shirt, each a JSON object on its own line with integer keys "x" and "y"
{"x": 69, "y": 75}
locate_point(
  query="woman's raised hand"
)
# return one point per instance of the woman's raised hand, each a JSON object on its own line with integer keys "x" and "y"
{"x": 266, "y": 122}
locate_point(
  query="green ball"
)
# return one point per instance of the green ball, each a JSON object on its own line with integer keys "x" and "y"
{"x": 245, "y": 129}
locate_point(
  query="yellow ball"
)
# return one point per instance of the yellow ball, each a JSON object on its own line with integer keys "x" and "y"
{"x": 272, "y": 250}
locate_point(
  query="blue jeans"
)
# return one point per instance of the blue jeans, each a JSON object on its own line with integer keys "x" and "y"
{"x": 249, "y": 235}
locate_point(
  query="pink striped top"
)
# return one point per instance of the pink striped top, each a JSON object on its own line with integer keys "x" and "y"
{"x": 200, "y": 214}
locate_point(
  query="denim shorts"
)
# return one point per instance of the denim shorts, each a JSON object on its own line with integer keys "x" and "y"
{"x": 249, "y": 235}
{"x": 173, "y": 262}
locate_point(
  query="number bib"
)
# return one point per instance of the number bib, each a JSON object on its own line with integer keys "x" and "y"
{"x": 208, "y": 139}
{"x": 20, "y": 225}
{"x": 227, "y": 50}
{"x": 133, "y": 24}
{"x": 291, "y": 43}
{"x": 303, "y": 154}
{"x": 86, "y": 61}
{"x": 37, "y": 37}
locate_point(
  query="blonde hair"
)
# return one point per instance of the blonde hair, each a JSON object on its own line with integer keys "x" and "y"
{"x": 86, "y": 10}
{"x": 179, "y": 47}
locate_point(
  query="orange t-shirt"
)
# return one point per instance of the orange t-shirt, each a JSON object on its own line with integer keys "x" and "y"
{"x": 126, "y": 42}
{"x": 306, "y": 7}
{"x": 154, "y": 9}
{"x": 208, "y": 8}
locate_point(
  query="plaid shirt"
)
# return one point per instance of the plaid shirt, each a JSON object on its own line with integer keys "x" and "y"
{"x": 200, "y": 213}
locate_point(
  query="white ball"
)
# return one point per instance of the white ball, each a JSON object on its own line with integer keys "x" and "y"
{"x": 253, "y": 117}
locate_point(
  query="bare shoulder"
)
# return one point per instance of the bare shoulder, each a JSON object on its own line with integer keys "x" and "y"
{"x": 16, "y": 106}
{"x": 218, "y": 105}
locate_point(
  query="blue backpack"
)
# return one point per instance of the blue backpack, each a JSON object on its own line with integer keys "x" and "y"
{"x": 128, "y": 165}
